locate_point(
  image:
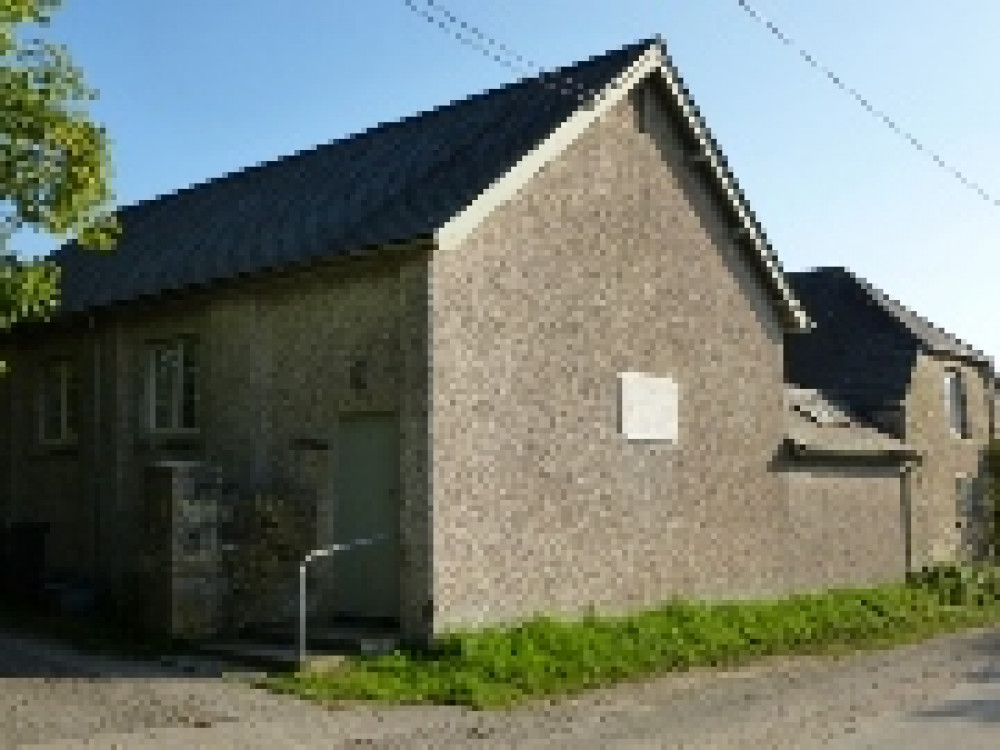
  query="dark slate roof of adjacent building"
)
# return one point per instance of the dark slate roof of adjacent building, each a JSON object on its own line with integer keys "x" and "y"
{"x": 864, "y": 344}
{"x": 394, "y": 182}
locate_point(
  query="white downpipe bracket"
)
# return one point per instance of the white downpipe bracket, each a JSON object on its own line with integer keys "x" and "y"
{"x": 314, "y": 554}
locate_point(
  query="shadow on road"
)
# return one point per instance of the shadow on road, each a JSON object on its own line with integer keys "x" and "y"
{"x": 983, "y": 710}
{"x": 24, "y": 656}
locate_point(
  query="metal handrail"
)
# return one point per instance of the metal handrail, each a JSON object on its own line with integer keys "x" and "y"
{"x": 314, "y": 554}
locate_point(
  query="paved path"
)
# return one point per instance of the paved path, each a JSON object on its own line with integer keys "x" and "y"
{"x": 896, "y": 698}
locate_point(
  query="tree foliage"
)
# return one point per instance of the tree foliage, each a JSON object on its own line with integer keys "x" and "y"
{"x": 54, "y": 162}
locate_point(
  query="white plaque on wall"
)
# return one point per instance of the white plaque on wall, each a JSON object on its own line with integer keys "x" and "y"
{"x": 648, "y": 406}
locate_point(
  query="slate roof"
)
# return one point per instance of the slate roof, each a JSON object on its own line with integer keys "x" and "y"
{"x": 864, "y": 344}
{"x": 394, "y": 182}
{"x": 815, "y": 425}
{"x": 400, "y": 181}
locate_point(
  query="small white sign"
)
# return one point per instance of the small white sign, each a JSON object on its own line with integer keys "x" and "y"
{"x": 648, "y": 407}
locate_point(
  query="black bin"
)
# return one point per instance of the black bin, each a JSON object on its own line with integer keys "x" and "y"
{"x": 23, "y": 558}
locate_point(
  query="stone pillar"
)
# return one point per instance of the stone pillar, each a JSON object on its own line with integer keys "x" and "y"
{"x": 182, "y": 560}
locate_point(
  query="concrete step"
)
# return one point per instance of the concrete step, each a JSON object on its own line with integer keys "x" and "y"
{"x": 277, "y": 649}
{"x": 352, "y": 638}
{"x": 269, "y": 657}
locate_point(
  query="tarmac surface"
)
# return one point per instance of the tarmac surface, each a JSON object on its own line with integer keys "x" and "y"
{"x": 943, "y": 693}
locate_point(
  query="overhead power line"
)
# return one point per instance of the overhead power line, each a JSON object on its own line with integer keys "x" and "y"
{"x": 436, "y": 13}
{"x": 501, "y": 53}
{"x": 864, "y": 102}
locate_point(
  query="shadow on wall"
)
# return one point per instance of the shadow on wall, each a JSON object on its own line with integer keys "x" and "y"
{"x": 217, "y": 556}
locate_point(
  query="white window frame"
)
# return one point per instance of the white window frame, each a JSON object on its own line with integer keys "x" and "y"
{"x": 181, "y": 346}
{"x": 956, "y": 403}
{"x": 66, "y": 436}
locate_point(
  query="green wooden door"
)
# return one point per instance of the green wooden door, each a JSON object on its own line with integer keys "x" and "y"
{"x": 365, "y": 580}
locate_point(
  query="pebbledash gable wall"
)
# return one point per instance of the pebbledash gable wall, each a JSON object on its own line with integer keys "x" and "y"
{"x": 933, "y": 490}
{"x": 274, "y": 359}
{"x": 614, "y": 258}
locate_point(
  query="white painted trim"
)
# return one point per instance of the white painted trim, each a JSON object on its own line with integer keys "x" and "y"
{"x": 460, "y": 226}
{"x": 65, "y": 373}
{"x": 181, "y": 345}
{"x": 725, "y": 179}
{"x": 174, "y": 431}
{"x": 176, "y": 464}
{"x": 465, "y": 222}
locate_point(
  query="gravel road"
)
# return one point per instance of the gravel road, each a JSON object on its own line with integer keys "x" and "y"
{"x": 51, "y": 699}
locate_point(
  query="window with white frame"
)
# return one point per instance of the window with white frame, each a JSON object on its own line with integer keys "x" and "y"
{"x": 172, "y": 385}
{"x": 58, "y": 402}
{"x": 955, "y": 403}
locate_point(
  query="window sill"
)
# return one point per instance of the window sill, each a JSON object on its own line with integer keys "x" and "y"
{"x": 56, "y": 448}
{"x": 171, "y": 438}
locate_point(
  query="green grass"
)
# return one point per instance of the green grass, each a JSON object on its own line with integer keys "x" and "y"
{"x": 545, "y": 657}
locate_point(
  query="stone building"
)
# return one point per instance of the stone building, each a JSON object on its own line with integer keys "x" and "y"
{"x": 533, "y": 338}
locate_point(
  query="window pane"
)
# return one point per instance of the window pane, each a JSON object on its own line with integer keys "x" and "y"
{"x": 955, "y": 396}
{"x": 165, "y": 366}
{"x": 51, "y": 404}
{"x": 189, "y": 383}
{"x": 959, "y": 405}
{"x": 72, "y": 403}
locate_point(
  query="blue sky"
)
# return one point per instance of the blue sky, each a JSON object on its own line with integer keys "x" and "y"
{"x": 193, "y": 89}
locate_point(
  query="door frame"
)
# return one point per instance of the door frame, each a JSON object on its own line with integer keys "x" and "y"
{"x": 327, "y": 524}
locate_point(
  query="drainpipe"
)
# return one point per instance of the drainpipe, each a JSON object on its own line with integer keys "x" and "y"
{"x": 907, "y": 511}
{"x": 96, "y": 468}
{"x": 15, "y": 423}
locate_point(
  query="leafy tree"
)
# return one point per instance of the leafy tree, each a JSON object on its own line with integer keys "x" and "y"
{"x": 54, "y": 161}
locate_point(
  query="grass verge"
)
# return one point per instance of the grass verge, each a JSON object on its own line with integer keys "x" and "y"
{"x": 545, "y": 657}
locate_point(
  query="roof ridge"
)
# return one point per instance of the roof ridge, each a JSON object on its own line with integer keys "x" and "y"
{"x": 898, "y": 311}
{"x": 883, "y": 297}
